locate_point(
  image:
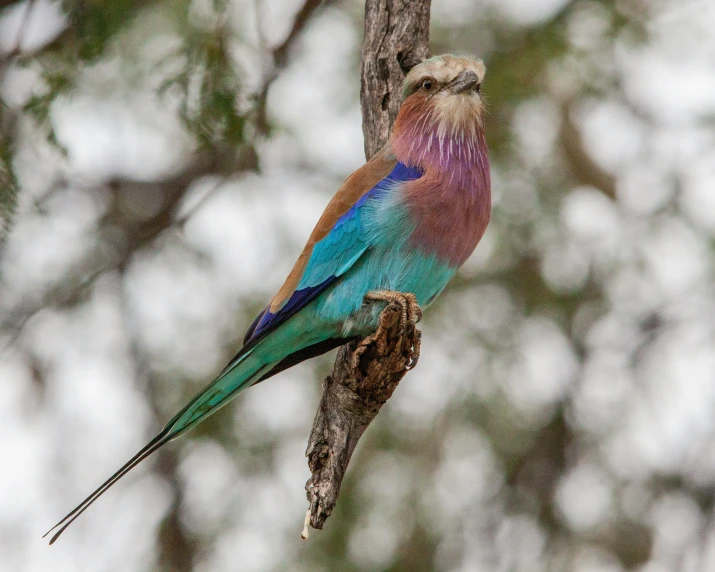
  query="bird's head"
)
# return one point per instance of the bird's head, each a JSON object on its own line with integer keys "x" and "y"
{"x": 442, "y": 111}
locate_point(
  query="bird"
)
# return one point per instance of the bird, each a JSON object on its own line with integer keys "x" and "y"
{"x": 397, "y": 230}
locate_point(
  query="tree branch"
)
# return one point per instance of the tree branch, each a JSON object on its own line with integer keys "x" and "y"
{"x": 582, "y": 165}
{"x": 396, "y": 40}
{"x": 279, "y": 56}
{"x": 366, "y": 373}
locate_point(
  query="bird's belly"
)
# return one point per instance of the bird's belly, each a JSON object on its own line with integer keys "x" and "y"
{"x": 389, "y": 268}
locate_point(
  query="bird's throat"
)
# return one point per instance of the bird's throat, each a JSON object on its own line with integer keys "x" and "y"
{"x": 451, "y": 203}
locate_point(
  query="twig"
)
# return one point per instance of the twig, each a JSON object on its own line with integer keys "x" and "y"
{"x": 17, "y": 49}
{"x": 279, "y": 56}
{"x": 583, "y": 167}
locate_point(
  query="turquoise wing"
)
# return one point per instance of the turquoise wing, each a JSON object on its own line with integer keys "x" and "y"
{"x": 334, "y": 255}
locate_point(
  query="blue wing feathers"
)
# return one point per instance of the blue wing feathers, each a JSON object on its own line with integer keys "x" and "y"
{"x": 332, "y": 256}
{"x": 252, "y": 327}
{"x": 297, "y": 301}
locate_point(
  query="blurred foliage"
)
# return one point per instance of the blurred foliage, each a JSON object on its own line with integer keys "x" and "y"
{"x": 8, "y": 187}
{"x": 207, "y": 70}
{"x": 207, "y": 79}
{"x": 92, "y": 24}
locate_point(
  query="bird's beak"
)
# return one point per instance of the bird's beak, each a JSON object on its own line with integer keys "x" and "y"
{"x": 465, "y": 81}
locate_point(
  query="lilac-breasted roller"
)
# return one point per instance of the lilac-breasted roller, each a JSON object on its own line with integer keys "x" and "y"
{"x": 402, "y": 223}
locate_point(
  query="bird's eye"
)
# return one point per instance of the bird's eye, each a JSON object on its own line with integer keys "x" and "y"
{"x": 427, "y": 84}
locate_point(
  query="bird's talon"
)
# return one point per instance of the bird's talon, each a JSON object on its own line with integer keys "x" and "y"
{"x": 415, "y": 357}
{"x": 410, "y": 314}
{"x": 411, "y": 311}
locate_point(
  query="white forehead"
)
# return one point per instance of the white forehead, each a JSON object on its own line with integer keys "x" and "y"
{"x": 445, "y": 68}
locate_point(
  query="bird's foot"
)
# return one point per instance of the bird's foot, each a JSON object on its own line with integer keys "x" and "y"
{"x": 411, "y": 313}
{"x": 407, "y": 301}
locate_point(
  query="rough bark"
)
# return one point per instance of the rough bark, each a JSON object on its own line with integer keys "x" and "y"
{"x": 396, "y": 39}
{"x": 353, "y": 394}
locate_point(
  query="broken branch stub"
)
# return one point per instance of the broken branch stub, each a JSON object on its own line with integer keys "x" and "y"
{"x": 364, "y": 377}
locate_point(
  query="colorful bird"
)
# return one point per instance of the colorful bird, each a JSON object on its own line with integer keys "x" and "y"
{"x": 402, "y": 223}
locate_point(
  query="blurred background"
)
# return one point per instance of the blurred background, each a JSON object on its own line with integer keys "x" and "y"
{"x": 163, "y": 161}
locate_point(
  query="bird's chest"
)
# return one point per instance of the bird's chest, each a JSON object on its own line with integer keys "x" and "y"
{"x": 448, "y": 221}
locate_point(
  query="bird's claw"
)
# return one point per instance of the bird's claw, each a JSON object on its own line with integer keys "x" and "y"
{"x": 410, "y": 313}
{"x": 408, "y": 302}
{"x": 417, "y": 344}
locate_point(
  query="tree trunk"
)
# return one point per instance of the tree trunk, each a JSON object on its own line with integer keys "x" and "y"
{"x": 396, "y": 40}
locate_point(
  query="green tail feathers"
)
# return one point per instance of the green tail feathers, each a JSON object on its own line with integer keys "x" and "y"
{"x": 239, "y": 375}
{"x": 245, "y": 370}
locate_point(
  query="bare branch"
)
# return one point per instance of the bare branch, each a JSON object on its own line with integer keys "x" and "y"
{"x": 365, "y": 374}
{"x": 364, "y": 377}
{"x": 396, "y": 39}
{"x": 279, "y": 56}
{"x": 583, "y": 167}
